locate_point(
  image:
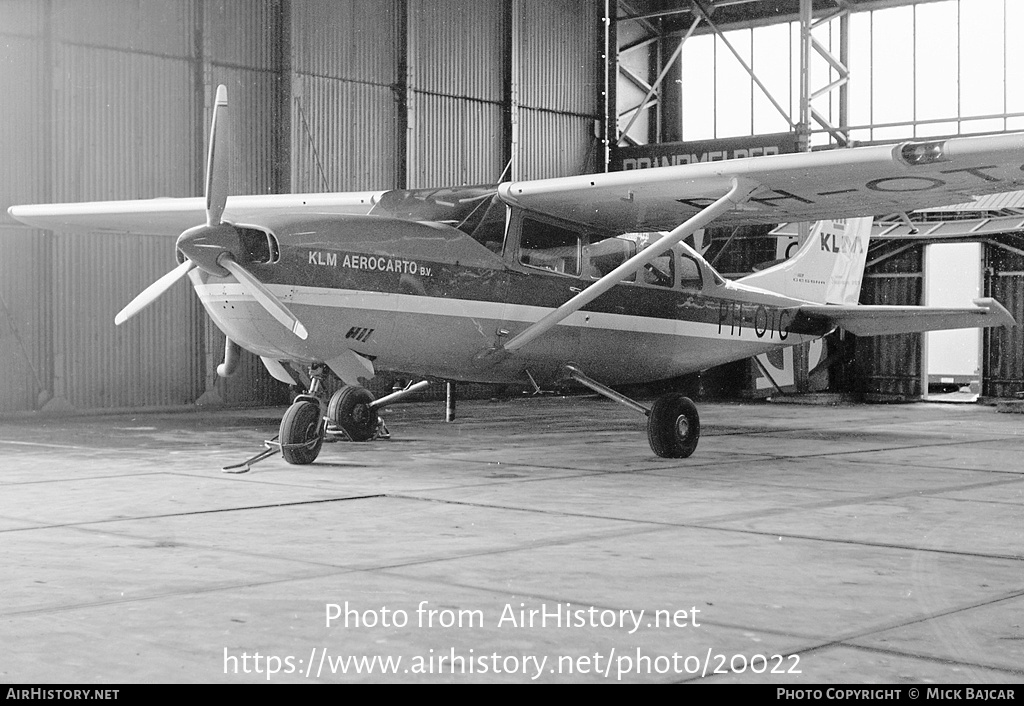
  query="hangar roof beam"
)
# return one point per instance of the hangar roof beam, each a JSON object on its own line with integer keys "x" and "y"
{"x": 661, "y": 77}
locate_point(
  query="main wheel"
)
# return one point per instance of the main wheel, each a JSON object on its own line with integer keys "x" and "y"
{"x": 301, "y": 433}
{"x": 350, "y": 410}
{"x": 674, "y": 426}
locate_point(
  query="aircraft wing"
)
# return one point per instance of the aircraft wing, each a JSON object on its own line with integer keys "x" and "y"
{"x": 840, "y": 183}
{"x": 871, "y": 320}
{"x": 171, "y": 216}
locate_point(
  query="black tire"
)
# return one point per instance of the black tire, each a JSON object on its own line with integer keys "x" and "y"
{"x": 350, "y": 411}
{"x": 300, "y": 426}
{"x": 673, "y": 428}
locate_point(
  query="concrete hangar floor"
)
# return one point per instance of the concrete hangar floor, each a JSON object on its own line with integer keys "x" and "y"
{"x": 529, "y": 540}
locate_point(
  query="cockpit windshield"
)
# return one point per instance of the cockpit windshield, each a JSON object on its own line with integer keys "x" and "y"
{"x": 475, "y": 210}
{"x": 459, "y": 207}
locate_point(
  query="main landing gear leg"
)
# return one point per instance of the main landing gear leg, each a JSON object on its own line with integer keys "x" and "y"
{"x": 302, "y": 430}
{"x": 673, "y": 425}
{"x": 352, "y": 412}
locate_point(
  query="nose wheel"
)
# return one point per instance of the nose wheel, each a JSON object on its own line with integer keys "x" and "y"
{"x": 351, "y": 414}
{"x": 302, "y": 432}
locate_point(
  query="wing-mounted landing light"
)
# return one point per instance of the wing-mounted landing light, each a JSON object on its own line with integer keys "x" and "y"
{"x": 918, "y": 153}
{"x": 216, "y": 246}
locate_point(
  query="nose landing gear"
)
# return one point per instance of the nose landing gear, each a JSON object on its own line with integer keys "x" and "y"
{"x": 351, "y": 414}
{"x": 302, "y": 432}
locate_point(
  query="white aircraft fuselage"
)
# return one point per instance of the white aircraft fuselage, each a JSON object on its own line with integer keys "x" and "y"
{"x": 430, "y": 300}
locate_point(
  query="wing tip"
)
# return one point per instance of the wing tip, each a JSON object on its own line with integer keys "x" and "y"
{"x": 997, "y": 310}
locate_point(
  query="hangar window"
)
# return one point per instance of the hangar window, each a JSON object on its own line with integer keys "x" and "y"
{"x": 260, "y": 246}
{"x": 549, "y": 247}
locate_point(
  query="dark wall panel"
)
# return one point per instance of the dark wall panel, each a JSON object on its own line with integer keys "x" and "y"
{"x": 889, "y": 367}
{"x": 1004, "y": 349}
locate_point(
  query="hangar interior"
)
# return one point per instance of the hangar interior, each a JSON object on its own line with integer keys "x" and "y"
{"x": 112, "y": 100}
{"x": 697, "y": 80}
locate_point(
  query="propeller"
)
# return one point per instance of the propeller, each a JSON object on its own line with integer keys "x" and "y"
{"x": 215, "y": 247}
{"x": 217, "y": 163}
{"x": 260, "y": 293}
{"x": 148, "y": 295}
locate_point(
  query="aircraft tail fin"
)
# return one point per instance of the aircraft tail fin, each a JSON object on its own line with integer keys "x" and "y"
{"x": 827, "y": 269}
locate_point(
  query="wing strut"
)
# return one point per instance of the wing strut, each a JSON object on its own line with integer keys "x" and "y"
{"x": 739, "y": 193}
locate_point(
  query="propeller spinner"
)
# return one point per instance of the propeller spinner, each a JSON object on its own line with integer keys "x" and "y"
{"x": 214, "y": 247}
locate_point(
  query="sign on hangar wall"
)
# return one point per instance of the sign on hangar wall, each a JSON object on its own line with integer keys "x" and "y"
{"x": 667, "y": 154}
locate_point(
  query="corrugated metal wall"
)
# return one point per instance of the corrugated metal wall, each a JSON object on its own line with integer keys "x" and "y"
{"x": 242, "y": 48}
{"x": 25, "y": 305}
{"x": 119, "y": 110}
{"x": 25, "y": 338}
{"x": 346, "y": 127}
{"x": 456, "y": 68}
{"x": 1003, "y": 372}
{"x": 889, "y": 367}
{"x": 106, "y": 99}
{"x": 559, "y": 87}
{"x": 453, "y": 141}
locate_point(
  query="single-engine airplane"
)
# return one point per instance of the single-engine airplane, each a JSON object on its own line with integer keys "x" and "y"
{"x": 540, "y": 282}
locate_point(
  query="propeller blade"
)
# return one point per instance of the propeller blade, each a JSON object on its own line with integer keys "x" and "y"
{"x": 148, "y": 295}
{"x": 264, "y": 296}
{"x": 217, "y": 161}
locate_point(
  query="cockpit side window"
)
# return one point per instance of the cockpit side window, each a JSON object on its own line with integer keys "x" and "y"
{"x": 550, "y": 247}
{"x": 490, "y": 230}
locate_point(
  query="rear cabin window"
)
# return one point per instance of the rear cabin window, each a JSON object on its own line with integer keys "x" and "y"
{"x": 689, "y": 273}
{"x": 661, "y": 271}
{"x": 550, "y": 247}
{"x": 603, "y": 256}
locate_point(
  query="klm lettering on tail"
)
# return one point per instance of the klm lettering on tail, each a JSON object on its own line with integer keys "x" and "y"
{"x": 832, "y": 242}
{"x": 827, "y": 269}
